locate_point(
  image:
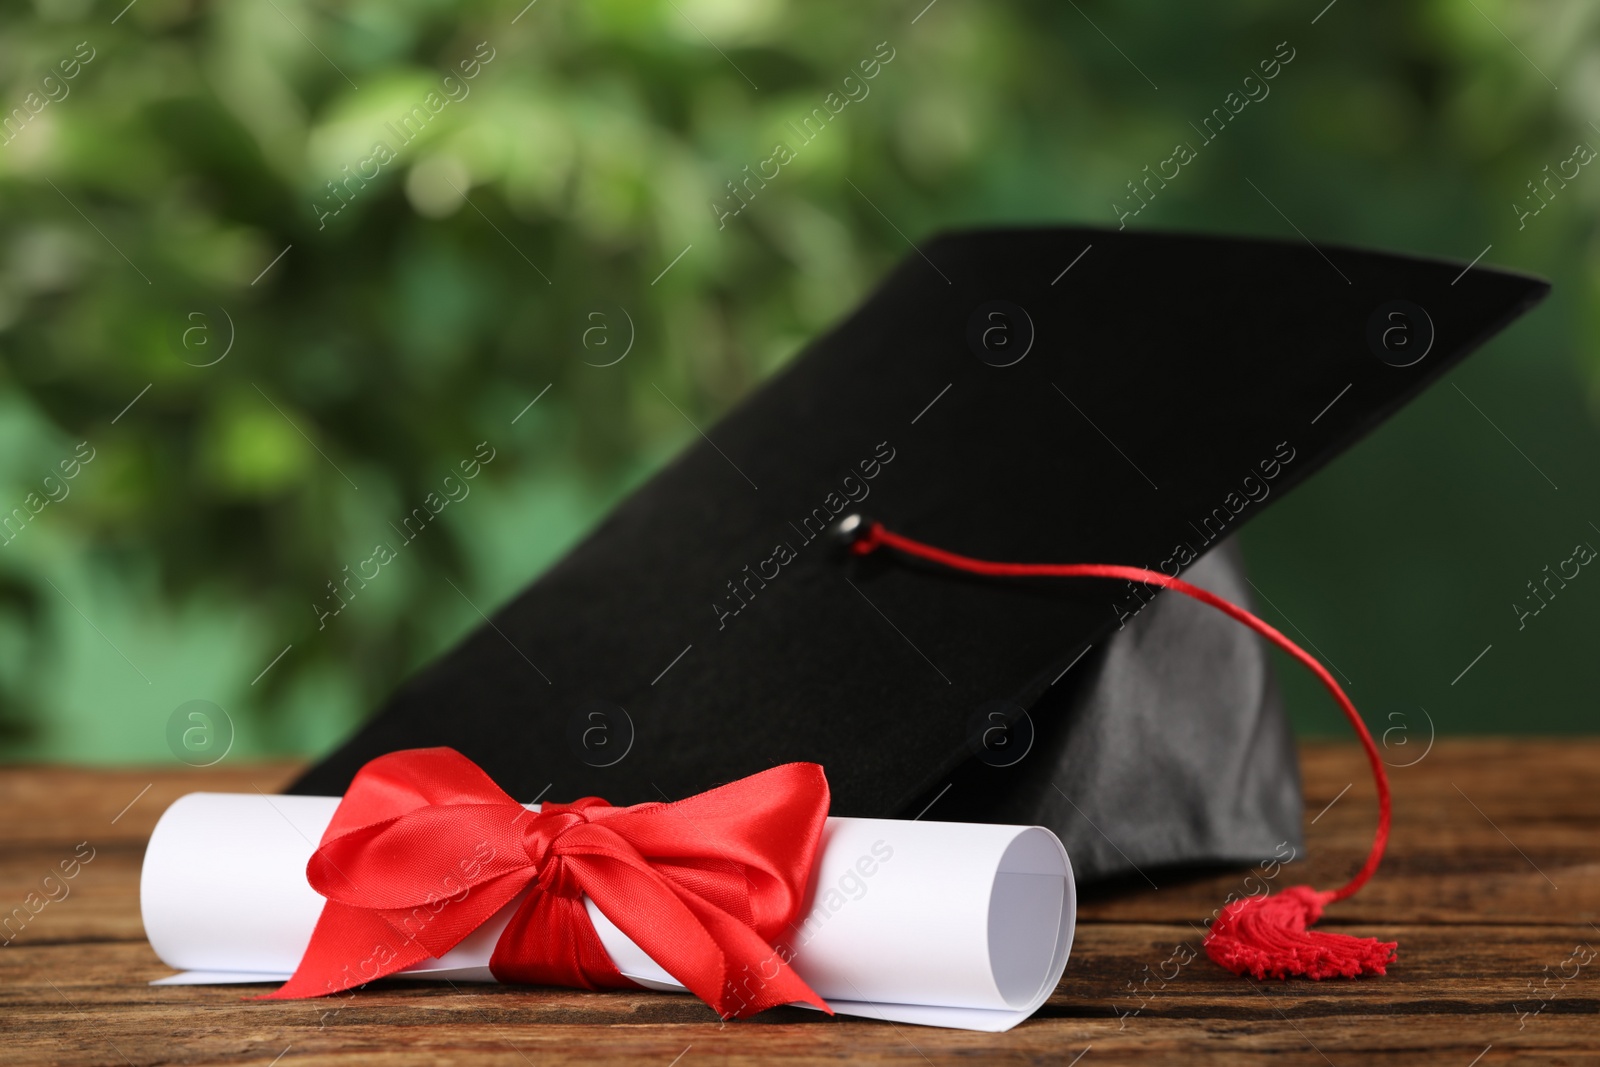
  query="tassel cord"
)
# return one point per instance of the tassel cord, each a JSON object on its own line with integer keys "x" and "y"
{"x": 1263, "y": 935}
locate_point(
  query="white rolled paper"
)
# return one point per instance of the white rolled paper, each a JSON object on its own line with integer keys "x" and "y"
{"x": 964, "y": 925}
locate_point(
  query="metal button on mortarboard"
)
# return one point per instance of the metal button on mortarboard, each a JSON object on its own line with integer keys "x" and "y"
{"x": 1400, "y": 333}
{"x": 1000, "y": 333}
{"x": 847, "y": 529}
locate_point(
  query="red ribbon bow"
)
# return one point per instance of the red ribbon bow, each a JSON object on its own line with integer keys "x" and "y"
{"x": 425, "y": 848}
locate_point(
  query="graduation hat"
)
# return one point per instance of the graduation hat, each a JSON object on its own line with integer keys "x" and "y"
{"x": 1053, "y": 394}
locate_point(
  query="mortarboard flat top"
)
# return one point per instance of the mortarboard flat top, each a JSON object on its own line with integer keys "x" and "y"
{"x": 1136, "y": 409}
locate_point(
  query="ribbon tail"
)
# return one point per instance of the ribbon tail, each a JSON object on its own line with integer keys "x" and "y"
{"x": 349, "y": 947}
{"x": 763, "y": 979}
{"x": 717, "y": 958}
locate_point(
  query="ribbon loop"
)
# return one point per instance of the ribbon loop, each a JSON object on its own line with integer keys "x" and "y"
{"x": 419, "y": 857}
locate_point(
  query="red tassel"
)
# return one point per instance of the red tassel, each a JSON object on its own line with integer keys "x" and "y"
{"x": 1267, "y": 937}
{"x": 1263, "y": 936}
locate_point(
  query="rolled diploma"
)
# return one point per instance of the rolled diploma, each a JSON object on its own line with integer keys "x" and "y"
{"x": 963, "y": 925}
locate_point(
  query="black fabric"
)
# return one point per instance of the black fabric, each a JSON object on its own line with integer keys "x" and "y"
{"x": 1166, "y": 743}
{"x": 1173, "y": 386}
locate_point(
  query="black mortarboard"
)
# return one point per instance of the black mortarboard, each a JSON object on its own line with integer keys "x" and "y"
{"x": 1058, "y": 395}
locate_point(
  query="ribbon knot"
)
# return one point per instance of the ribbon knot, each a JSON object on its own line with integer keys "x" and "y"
{"x": 544, "y": 830}
{"x": 425, "y": 848}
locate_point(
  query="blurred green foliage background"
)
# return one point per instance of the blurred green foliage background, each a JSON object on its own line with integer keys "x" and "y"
{"x": 170, "y": 203}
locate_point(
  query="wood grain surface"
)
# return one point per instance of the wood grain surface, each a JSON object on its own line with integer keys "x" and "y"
{"x": 1491, "y": 886}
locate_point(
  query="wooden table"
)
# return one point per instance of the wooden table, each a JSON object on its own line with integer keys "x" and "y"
{"x": 1491, "y": 883}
